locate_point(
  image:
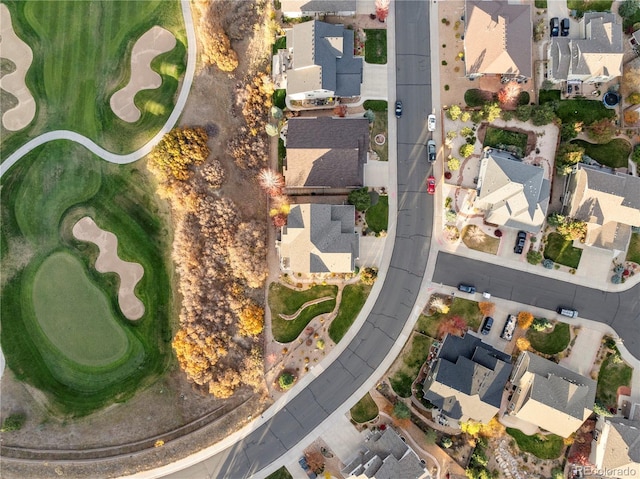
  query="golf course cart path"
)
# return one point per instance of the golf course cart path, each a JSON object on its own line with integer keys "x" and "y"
{"x": 108, "y": 261}
{"x": 14, "y": 49}
{"x": 152, "y": 43}
{"x": 146, "y": 149}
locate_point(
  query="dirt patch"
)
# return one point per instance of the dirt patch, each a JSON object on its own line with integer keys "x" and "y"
{"x": 151, "y": 44}
{"x": 108, "y": 261}
{"x": 14, "y": 49}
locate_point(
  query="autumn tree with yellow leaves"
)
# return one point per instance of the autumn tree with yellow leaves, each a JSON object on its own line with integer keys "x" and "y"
{"x": 525, "y": 319}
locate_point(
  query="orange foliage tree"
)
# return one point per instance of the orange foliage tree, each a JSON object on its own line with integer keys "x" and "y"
{"x": 523, "y": 344}
{"x": 508, "y": 93}
{"x": 177, "y": 151}
{"x": 454, "y": 325}
{"x": 251, "y": 320}
{"x": 486, "y": 308}
{"x": 525, "y": 319}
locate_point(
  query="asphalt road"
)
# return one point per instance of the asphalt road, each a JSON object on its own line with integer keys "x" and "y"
{"x": 400, "y": 290}
{"x": 619, "y": 310}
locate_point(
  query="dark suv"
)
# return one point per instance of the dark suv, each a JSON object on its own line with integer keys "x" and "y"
{"x": 486, "y": 327}
{"x": 554, "y": 24}
{"x": 522, "y": 237}
{"x": 564, "y": 27}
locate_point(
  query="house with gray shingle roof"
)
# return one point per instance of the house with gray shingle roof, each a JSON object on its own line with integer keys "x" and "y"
{"x": 550, "y": 396}
{"x": 385, "y": 456}
{"x": 608, "y": 202}
{"x": 319, "y": 239}
{"x": 494, "y": 43}
{"x": 311, "y": 8}
{"x": 596, "y": 58}
{"x": 616, "y": 447}
{"x": 320, "y": 62}
{"x": 512, "y": 193}
{"x": 467, "y": 379}
{"x": 325, "y": 153}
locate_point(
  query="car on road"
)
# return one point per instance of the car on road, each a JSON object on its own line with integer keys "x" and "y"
{"x": 554, "y": 24}
{"x": 467, "y": 288}
{"x": 431, "y": 151}
{"x": 509, "y": 328}
{"x": 398, "y": 109}
{"x": 564, "y": 27}
{"x": 520, "y": 240}
{"x": 568, "y": 312}
{"x": 431, "y": 185}
{"x": 486, "y": 326}
{"x": 431, "y": 122}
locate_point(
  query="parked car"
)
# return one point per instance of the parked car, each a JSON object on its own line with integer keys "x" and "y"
{"x": 564, "y": 27}
{"x": 555, "y": 26}
{"x": 431, "y": 185}
{"x": 398, "y": 109}
{"x": 431, "y": 151}
{"x": 520, "y": 240}
{"x": 486, "y": 326}
{"x": 509, "y": 328}
{"x": 568, "y": 312}
{"x": 431, "y": 122}
{"x": 569, "y": 89}
{"x": 467, "y": 288}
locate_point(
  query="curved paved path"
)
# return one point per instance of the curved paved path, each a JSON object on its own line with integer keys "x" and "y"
{"x": 146, "y": 149}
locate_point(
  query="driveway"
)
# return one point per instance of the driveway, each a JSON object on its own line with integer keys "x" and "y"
{"x": 584, "y": 351}
{"x": 374, "y": 82}
{"x": 376, "y": 173}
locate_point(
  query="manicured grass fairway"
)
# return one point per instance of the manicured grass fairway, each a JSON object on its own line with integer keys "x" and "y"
{"x": 614, "y": 154}
{"x": 562, "y": 251}
{"x": 548, "y": 446}
{"x": 82, "y": 53}
{"x": 353, "y": 299}
{"x": 364, "y": 410}
{"x": 61, "y": 281}
{"x": 550, "y": 342}
{"x": 42, "y": 196}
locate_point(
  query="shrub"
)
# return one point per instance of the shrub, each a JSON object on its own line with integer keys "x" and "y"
{"x": 454, "y": 112}
{"x": 466, "y": 150}
{"x": 369, "y": 275}
{"x": 523, "y": 98}
{"x": 360, "y": 199}
{"x": 507, "y": 115}
{"x": 401, "y": 411}
{"x": 446, "y": 88}
{"x": 466, "y": 116}
{"x": 601, "y": 410}
{"x": 523, "y": 112}
{"x": 635, "y": 156}
{"x": 14, "y": 422}
{"x": 523, "y": 344}
{"x": 601, "y": 131}
{"x": 543, "y": 114}
{"x": 634, "y": 98}
{"x": 547, "y": 263}
{"x": 616, "y": 279}
{"x": 491, "y": 111}
{"x": 451, "y": 216}
{"x": 453, "y": 164}
{"x": 474, "y": 97}
{"x": 446, "y": 442}
{"x": 540, "y": 324}
{"x": 444, "y": 62}
{"x": 534, "y": 257}
{"x": 447, "y": 202}
{"x": 176, "y": 152}
{"x": 477, "y": 117}
{"x": 286, "y": 380}
{"x": 466, "y": 131}
{"x": 628, "y": 8}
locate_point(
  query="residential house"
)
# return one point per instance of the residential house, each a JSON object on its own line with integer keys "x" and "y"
{"x": 313, "y": 8}
{"x": 615, "y": 450}
{"x": 609, "y": 202}
{"x": 466, "y": 380}
{"x": 385, "y": 456}
{"x": 512, "y": 193}
{"x": 319, "y": 63}
{"x": 549, "y": 395}
{"x": 325, "y": 153}
{"x": 319, "y": 239}
{"x": 494, "y": 39}
{"x": 596, "y": 58}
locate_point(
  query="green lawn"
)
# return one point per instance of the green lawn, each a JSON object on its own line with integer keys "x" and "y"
{"x": 465, "y": 308}
{"x": 283, "y": 300}
{"x": 72, "y": 88}
{"x": 413, "y": 355}
{"x": 582, "y": 6}
{"x": 364, "y": 410}
{"x": 42, "y": 196}
{"x": 279, "y": 44}
{"x": 497, "y": 137}
{"x": 377, "y": 216}
{"x": 562, "y": 251}
{"x": 473, "y": 237}
{"x": 580, "y": 110}
{"x": 281, "y": 473}
{"x": 614, "y": 154}
{"x": 541, "y": 3}
{"x": 633, "y": 253}
{"x": 353, "y": 298}
{"x": 375, "y": 48}
{"x": 548, "y": 446}
{"x": 550, "y": 342}
{"x": 545, "y": 96}
{"x": 279, "y": 98}
{"x": 610, "y": 378}
{"x": 376, "y": 105}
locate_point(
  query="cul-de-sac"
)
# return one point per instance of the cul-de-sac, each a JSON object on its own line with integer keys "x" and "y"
{"x": 333, "y": 239}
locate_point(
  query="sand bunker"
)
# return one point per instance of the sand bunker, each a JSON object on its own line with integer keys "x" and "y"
{"x": 109, "y": 262}
{"x": 14, "y": 49}
{"x": 154, "y": 42}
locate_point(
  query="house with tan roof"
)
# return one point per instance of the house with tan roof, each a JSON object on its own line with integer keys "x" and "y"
{"x": 466, "y": 380}
{"x": 616, "y": 447}
{"x": 312, "y": 8}
{"x": 319, "y": 239}
{"x": 596, "y": 58}
{"x": 325, "y": 153}
{"x": 512, "y": 193}
{"x": 495, "y": 42}
{"x": 550, "y": 396}
{"x": 608, "y": 202}
{"x": 319, "y": 63}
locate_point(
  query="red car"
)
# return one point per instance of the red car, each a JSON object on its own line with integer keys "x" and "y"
{"x": 431, "y": 185}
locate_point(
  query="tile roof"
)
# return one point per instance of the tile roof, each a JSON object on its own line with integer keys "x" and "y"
{"x": 326, "y": 152}
{"x": 494, "y": 42}
{"x": 320, "y": 238}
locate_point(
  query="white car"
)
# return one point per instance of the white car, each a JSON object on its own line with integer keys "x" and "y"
{"x": 431, "y": 122}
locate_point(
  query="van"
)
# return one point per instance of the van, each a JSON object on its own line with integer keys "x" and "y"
{"x": 570, "y": 313}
